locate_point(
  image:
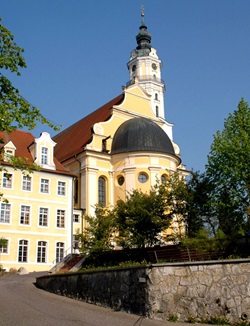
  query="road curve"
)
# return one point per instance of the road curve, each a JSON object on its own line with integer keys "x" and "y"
{"x": 22, "y": 304}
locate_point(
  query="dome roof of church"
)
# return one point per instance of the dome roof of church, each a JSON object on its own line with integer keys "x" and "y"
{"x": 140, "y": 134}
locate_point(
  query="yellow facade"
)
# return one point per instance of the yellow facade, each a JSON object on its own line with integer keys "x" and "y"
{"x": 36, "y": 220}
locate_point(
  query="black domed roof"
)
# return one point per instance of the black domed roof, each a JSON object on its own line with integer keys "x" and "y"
{"x": 140, "y": 134}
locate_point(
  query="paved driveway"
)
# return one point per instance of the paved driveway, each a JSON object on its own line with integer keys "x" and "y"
{"x": 22, "y": 304}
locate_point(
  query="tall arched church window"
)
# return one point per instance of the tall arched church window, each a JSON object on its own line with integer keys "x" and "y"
{"x": 102, "y": 191}
{"x": 156, "y": 96}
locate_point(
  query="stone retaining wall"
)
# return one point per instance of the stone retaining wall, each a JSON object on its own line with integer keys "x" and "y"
{"x": 198, "y": 291}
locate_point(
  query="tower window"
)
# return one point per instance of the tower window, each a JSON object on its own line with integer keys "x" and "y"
{"x": 157, "y": 111}
{"x": 156, "y": 96}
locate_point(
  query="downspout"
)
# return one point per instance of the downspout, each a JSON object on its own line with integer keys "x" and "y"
{"x": 79, "y": 196}
{"x": 79, "y": 181}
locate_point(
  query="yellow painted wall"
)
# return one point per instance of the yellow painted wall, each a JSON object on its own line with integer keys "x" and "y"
{"x": 14, "y": 231}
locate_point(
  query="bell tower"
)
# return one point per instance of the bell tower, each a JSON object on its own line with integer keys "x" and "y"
{"x": 145, "y": 66}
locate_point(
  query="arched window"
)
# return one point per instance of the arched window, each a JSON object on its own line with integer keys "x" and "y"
{"x": 156, "y": 96}
{"x": 59, "y": 251}
{"x": 41, "y": 251}
{"x": 102, "y": 191}
{"x": 23, "y": 251}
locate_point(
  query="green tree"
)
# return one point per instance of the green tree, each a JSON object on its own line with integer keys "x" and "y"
{"x": 3, "y": 241}
{"x": 99, "y": 235}
{"x": 198, "y": 212}
{"x": 142, "y": 217}
{"x": 15, "y": 111}
{"x": 228, "y": 172}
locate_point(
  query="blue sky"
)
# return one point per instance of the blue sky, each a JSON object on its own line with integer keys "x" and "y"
{"x": 77, "y": 51}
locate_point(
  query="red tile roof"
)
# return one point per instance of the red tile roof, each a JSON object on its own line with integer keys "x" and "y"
{"x": 72, "y": 140}
{"x": 22, "y": 140}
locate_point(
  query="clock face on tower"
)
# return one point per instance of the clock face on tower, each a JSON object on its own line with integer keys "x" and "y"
{"x": 154, "y": 66}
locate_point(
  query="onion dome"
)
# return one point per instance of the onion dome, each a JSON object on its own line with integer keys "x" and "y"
{"x": 143, "y": 39}
{"x": 140, "y": 134}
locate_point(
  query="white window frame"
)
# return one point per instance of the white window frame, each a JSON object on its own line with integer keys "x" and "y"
{"x": 78, "y": 217}
{"x": 42, "y": 216}
{"x": 60, "y": 250}
{"x": 25, "y": 249}
{"x": 42, "y": 251}
{"x": 60, "y": 218}
{"x": 5, "y": 247}
{"x": 7, "y": 182}
{"x": 26, "y": 183}
{"x": 44, "y": 155}
{"x": 24, "y": 214}
{"x": 61, "y": 188}
{"x": 44, "y": 185}
{"x": 5, "y": 212}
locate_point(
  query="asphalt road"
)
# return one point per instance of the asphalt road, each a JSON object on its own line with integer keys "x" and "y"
{"x": 22, "y": 304}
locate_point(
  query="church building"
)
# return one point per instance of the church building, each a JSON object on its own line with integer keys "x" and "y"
{"x": 125, "y": 144}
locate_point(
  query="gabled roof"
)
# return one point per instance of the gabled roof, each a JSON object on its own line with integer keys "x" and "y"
{"x": 22, "y": 141}
{"x": 72, "y": 140}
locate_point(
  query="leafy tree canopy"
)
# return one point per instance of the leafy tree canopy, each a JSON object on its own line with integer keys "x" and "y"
{"x": 98, "y": 236}
{"x": 228, "y": 171}
{"x": 15, "y": 111}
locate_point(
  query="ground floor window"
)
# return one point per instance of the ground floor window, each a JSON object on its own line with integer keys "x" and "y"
{"x": 4, "y": 246}
{"x": 41, "y": 251}
{"x": 59, "y": 251}
{"x": 23, "y": 251}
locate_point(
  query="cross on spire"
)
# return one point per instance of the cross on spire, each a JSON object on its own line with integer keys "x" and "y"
{"x": 142, "y": 14}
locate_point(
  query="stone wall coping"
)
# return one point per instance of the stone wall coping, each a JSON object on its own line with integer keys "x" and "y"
{"x": 202, "y": 262}
{"x": 92, "y": 271}
{"x": 150, "y": 266}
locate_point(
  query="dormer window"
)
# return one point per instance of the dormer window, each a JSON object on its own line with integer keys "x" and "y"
{"x": 8, "y": 154}
{"x": 42, "y": 151}
{"x": 44, "y": 155}
{"x": 9, "y": 151}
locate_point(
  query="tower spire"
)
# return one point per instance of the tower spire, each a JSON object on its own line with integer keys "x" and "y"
{"x": 143, "y": 38}
{"x": 145, "y": 68}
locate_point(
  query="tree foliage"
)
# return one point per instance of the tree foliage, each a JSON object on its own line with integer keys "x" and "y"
{"x": 15, "y": 111}
{"x": 197, "y": 209}
{"x": 141, "y": 218}
{"x": 98, "y": 236}
{"x": 228, "y": 172}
